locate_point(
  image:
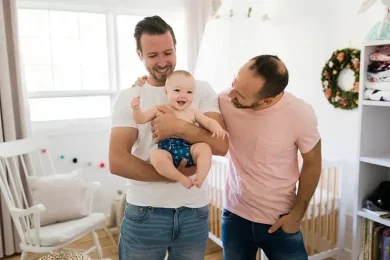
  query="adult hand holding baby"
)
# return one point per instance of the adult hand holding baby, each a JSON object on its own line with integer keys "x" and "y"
{"x": 168, "y": 122}
{"x": 166, "y": 125}
{"x": 140, "y": 81}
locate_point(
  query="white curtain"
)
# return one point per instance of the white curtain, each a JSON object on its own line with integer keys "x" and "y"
{"x": 198, "y": 14}
{"x": 229, "y": 42}
{"x": 14, "y": 115}
{"x": 243, "y": 30}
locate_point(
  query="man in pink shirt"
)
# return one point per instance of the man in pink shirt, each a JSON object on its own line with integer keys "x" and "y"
{"x": 267, "y": 126}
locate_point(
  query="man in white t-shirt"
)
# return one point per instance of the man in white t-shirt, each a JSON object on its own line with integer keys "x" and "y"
{"x": 160, "y": 215}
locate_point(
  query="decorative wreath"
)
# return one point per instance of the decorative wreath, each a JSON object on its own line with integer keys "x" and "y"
{"x": 341, "y": 59}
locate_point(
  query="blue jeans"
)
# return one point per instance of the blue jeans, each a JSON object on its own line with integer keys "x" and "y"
{"x": 147, "y": 233}
{"x": 241, "y": 239}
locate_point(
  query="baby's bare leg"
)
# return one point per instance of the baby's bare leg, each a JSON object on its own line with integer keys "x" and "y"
{"x": 163, "y": 163}
{"x": 201, "y": 153}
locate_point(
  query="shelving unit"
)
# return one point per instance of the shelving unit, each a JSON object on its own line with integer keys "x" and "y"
{"x": 374, "y": 147}
{"x": 376, "y": 103}
{"x": 381, "y": 160}
{"x": 367, "y": 215}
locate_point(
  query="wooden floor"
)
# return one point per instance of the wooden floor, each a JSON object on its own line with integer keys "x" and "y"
{"x": 214, "y": 252}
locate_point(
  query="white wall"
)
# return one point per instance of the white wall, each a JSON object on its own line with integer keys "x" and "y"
{"x": 304, "y": 35}
{"x": 87, "y": 141}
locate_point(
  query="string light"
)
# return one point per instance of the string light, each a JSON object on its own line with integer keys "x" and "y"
{"x": 76, "y": 160}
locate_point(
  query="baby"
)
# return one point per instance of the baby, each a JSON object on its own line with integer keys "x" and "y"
{"x": 180, "y": 88}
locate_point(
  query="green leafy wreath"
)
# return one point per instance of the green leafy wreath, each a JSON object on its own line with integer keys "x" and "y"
{"x": 341, "y": 59}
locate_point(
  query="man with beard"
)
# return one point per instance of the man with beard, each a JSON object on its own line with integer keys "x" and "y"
{"x": 266, "y": 127}
{"x": 160, "y": 215}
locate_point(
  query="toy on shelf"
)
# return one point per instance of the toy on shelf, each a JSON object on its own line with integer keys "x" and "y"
{"x": 381, "y": 30}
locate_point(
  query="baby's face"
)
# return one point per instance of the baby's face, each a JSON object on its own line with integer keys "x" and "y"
{"x": 180, "y": 90}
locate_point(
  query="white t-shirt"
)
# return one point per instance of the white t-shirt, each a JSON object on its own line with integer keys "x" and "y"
{"x": 159, "y": 194}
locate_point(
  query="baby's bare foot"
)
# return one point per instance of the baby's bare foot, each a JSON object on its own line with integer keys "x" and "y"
{"x": 198, "y": 182}
{"x": 186, "y": 182}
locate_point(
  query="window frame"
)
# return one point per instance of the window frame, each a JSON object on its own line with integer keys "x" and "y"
{"x": 112, "y": 13}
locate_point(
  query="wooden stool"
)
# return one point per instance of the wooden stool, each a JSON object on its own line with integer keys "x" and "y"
{"x": 65, "y": 255}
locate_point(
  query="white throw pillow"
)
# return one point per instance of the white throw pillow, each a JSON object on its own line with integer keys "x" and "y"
{"x": 63, "y": 195}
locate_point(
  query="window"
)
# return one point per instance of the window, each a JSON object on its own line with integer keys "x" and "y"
{"x": 64, "y": 51}
{"x": 65, "y": 108}
{"x": 71, "y": 67}
{"x": 130, "y": 66}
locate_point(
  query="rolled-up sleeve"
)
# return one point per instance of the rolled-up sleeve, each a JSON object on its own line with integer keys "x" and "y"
{"x": 208, "y": 98}
{"x": 308, "y": 133}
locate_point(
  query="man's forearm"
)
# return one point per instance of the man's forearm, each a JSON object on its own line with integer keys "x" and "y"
{"x": 194, "y": 134}
{"x": 128, "y": 166}
{"x": 308, "y": 181}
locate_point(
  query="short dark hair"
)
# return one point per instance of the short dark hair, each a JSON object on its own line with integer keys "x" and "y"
{"x": 153, "y": 25}
{"x": 274, "y": 72}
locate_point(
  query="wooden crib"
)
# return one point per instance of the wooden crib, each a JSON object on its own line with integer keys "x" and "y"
{"x": 323, "y": 226}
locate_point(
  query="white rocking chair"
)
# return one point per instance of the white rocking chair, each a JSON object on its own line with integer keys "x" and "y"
{"x": 15, "y": 157}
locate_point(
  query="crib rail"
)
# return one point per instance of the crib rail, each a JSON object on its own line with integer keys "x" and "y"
{"x": 321, "y": 225}
{"x": 219, "y": 169}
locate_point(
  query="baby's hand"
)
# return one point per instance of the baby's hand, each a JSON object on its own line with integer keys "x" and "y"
{"x": 220, "y": 133}
{"x": 135, "y": 103}
{"x": 140, "y": 81}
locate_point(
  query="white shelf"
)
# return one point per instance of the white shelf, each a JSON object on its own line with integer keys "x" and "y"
{"x": 377, "y": 43}
{"x": 381, "y": 160}
{"x": 376, "y": 103}
{"x": 374, "y": 144}
{"x": 383, "y": 221}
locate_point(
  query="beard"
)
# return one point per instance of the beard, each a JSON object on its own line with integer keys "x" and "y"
{"x": 160, "y": 77}
{"x": 238, "y": 105}
{"x": 235, "y": 103}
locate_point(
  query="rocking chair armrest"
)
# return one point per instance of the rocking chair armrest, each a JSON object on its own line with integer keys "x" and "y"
{"x": 93, "y": 186}
{"x": 36, "y": 210}
{"x": 33, "y": 229}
